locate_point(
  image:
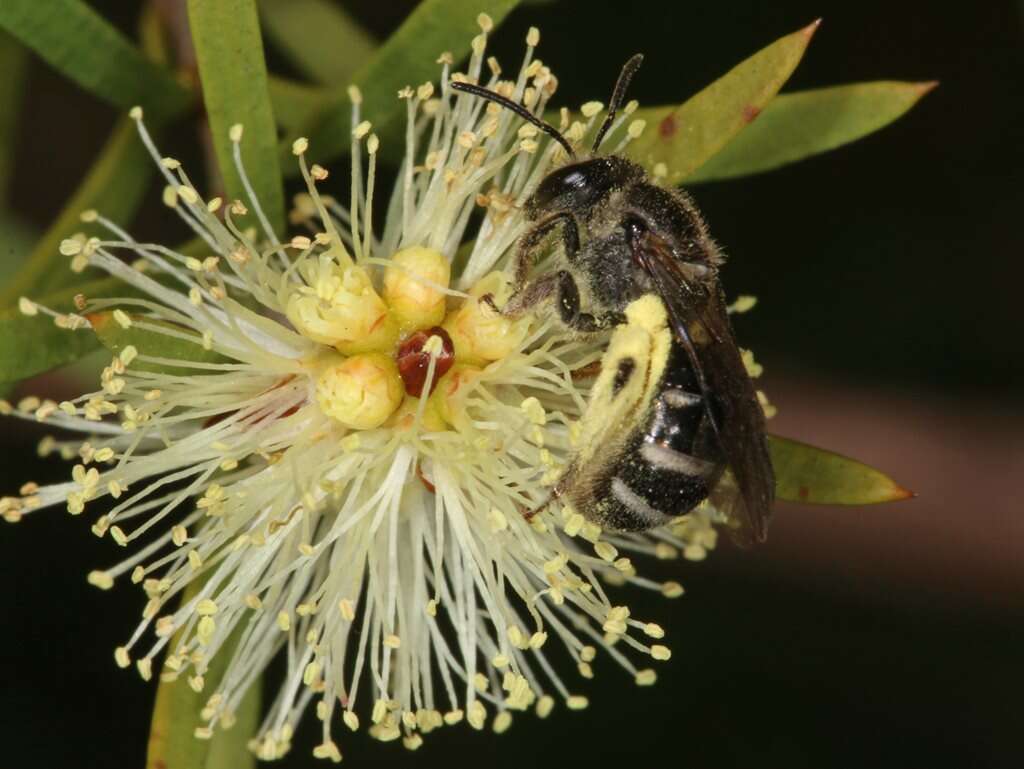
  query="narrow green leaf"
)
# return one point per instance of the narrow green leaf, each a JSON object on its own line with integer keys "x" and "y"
{"x": 804, "y": 473}
{"x": 16, "y": 239}
{"x": 295, "y": 104}
{"x": 150, "y": 343}
{"x": 80, "y": 44}
{"x": 798, "y": 125}
{"x": 114, "y": 186}
{"x": 319, "y": 37}
{"x": 32, "y": 345}
{"x": 176, "y": 716}
{"x": 13, "y": 58}
{"x": 408, "y": 57}
{"x": 686, "y": 137}
{"x": 229, "y": 50}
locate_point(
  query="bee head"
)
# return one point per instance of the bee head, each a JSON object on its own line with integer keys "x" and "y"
{"x": 579, "y": 187}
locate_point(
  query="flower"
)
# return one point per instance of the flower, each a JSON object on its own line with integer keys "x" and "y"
{"x": 346, "y": 457}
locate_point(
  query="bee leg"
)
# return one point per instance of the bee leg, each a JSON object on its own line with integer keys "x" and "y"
{"x": 534, "y": 237}
{"x": 563, "y": 286}
{"x": 569, "y": 308}
{"x": 528, "y": 515}
{"x": 529, "y": 296}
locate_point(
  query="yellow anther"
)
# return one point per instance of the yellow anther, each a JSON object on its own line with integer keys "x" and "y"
{"x": 348, "y": 611}
{"x": 646, "y": 677}
{"x": 672, "y": 589}
{"x": 206, "y": 608}
{"x": 652, "y": 630}
{"x": 502, "y": 722}
{"x": 100, "y": 579}
{"x": 477, "y": 715}
{"x": 660, "y": 652}
{"x": 577, "y": 702}
{"x": 121, "y": 657}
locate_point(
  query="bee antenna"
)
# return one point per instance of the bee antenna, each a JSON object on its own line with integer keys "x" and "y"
{"x": 618, "y": 95}
{"x": 519, "y": 109}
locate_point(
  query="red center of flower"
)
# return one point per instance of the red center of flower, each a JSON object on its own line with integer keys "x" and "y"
{"x": 414, "y": 361}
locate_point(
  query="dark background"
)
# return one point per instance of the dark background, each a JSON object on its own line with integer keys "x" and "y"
{"x": 889, "y": 277}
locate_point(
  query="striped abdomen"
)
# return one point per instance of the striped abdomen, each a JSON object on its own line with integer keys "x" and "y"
{"x": 666, "y": 466}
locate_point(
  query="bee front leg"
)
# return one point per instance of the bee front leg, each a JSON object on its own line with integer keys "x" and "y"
{"x": 535, "y": 236}
{"x": 563, "y": 287}
{"x": 529, "y": 296}
{"x": 569, "y": 308}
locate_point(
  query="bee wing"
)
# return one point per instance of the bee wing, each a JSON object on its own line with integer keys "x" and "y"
{"x": 700, "y": 323}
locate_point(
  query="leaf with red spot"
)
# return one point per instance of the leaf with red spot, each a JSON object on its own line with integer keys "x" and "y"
{"x": 805, "y": 473}
{"x": 798, "y": 125}
{"x": 685, "y": 137}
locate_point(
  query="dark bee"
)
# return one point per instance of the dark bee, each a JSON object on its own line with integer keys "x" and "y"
{"x": 674, "y": 418}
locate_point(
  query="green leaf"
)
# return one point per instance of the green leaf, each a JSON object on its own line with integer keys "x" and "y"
{"x": 16, "y": 240}
{"x": 13, "y": 59}
{"x": 408, "y": 57}
{"x": 295, "y": 104}
{"x": 152, "y": 343}
{"x": 176, "y": 716}
{"x": 114, "y": 186}
{"x": 686, "y": 137}
{"x": 229, "y": 51}
{"x": 804, "y": 473}
{"x": 798, "y": 125}
{"x": 319, "y": 37}
{"x": 32, "y": 345}
{"x": 83, "y": 46}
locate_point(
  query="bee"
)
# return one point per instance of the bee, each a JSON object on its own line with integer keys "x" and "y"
{"x": 673, "y": 417}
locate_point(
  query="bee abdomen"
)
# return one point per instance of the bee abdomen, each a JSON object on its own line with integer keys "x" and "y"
{"x": 625, "y": 509}
{"x": 653, "y": 485}
{"x": 664, "y": 471}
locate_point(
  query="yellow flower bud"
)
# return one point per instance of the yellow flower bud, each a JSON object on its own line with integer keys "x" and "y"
{"x": 451, "y": 390}
{"x": 413, "y": 302}
{"x": 361, "y": 391}
{"x": 478, "y": 332}
{"x": 339, "y": 306}
{"x": 405, "y": 417}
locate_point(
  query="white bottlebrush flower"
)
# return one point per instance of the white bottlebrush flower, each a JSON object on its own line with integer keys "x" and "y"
{"x": 286, "y": 492}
